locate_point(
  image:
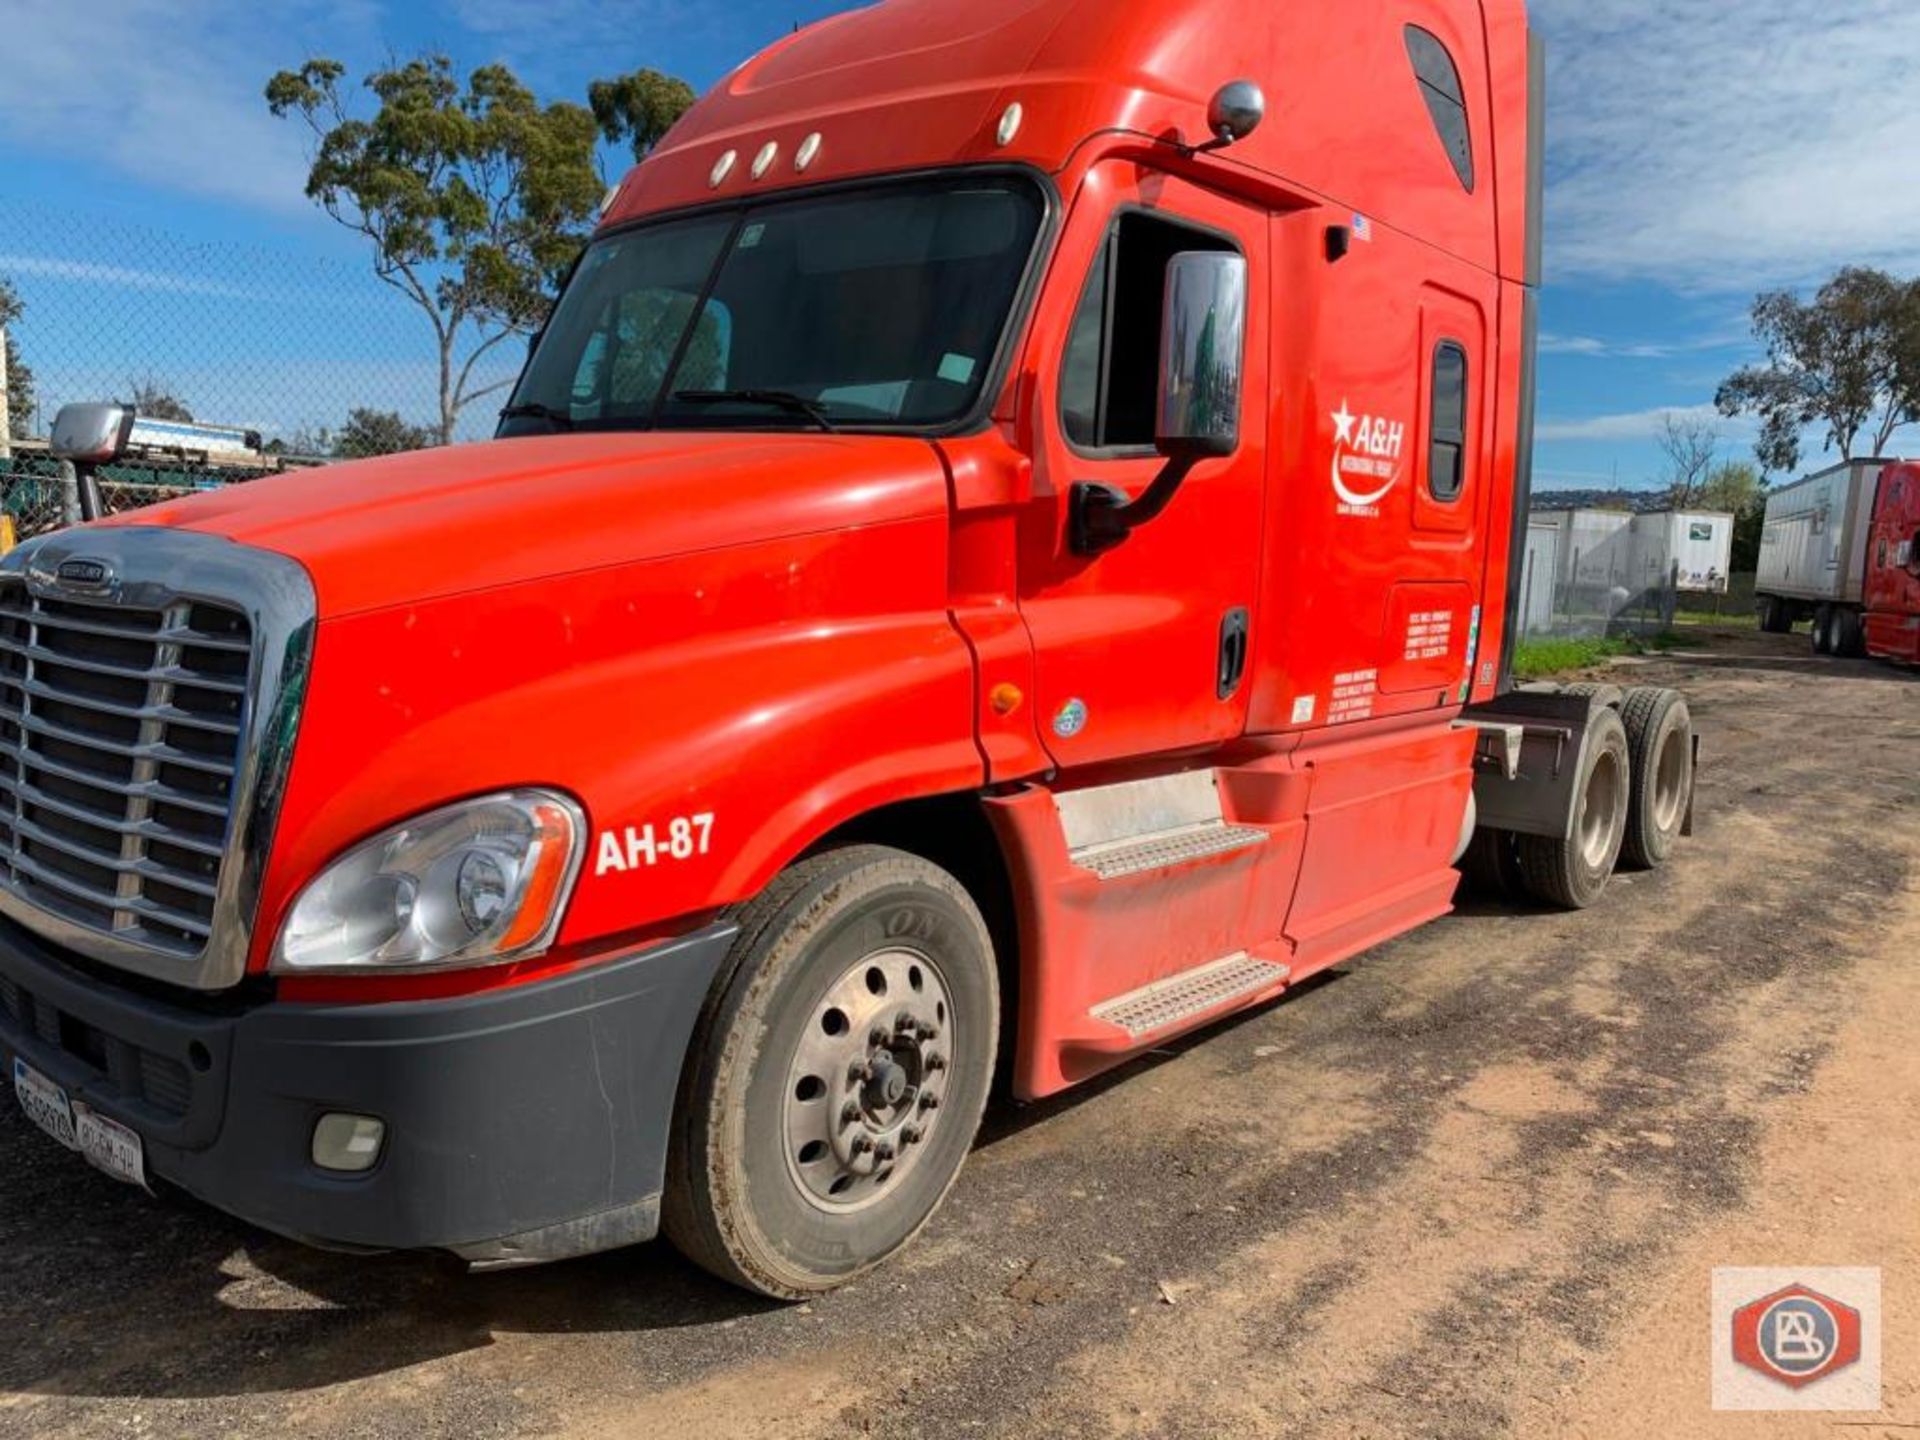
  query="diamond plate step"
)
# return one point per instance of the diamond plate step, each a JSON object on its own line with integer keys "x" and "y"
{"x": 1168, "y": 847}
{"x": 1167, "y": 1002}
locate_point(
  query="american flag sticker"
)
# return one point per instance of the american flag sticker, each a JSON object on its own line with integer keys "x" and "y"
{"x": 1362, "y": 228}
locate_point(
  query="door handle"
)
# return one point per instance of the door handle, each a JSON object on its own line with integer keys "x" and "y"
{"x": 1233, "y": 651}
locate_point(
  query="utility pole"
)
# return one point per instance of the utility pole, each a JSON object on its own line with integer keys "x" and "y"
{"x": 6, "y": 420}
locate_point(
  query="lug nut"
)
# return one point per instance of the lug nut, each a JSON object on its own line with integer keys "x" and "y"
{"x": 929, "y": 1032}
{"x": 860, "y": 1144}
{"x": 936, "y": 1061}
{"x": 905, "y": 1023}
{"x": 913, "y": 1134}
{"x": 849, "y": 1112}
{"x": 856, "y": 1072}
{"x": 877, "y": 1037}
{"x": 884, "y": 1152}
{"x": 929, "y": 1101}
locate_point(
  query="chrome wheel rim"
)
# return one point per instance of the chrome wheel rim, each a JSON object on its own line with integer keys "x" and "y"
{"x": 1600, "y": 810}
{"x": 866, "y": 1083}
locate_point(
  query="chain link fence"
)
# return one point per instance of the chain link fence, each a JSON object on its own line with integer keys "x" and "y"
{"x": 308, "y": 355}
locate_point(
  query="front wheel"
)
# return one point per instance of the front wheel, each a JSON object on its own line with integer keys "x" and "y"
{"x": 839, "y": 1074}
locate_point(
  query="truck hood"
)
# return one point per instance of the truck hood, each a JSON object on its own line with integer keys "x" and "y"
{"x": 410, "y": 528}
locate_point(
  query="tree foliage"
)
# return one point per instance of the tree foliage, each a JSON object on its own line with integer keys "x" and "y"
{"x": 20, "y": 395}
{"x": 1738, "y": 488}
{"x": 1690, "y": 445}
{"x": 638, "y": 109}
{"x": 157, "y": 400}
{"x": 1846, "y": 362}
{"x": 377, "y": 432}
{"x": 475, "y": 199}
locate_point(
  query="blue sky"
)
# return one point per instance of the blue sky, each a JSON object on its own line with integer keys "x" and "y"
{"x": 1700, "y": 150}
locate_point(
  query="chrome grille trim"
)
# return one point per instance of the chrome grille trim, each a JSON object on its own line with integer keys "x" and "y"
{"x": 146, "y": 725}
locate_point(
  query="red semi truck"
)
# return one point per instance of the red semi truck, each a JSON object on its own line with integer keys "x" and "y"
{"x": 1891, "y": 592}
{"x": 1000, "y": 556}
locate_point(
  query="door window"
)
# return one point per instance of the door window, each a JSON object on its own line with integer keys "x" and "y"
{"x": 1110, "y": 376}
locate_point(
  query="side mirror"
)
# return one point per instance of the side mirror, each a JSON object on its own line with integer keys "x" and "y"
{"x": 1203, "y": 344}
{"x": 1235, "y": 112}
{"x": 91, "y": 434}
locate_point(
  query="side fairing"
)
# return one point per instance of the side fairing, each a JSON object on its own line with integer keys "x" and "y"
{"x": 713, "y": 712}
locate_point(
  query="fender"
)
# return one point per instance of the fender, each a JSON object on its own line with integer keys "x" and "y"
{"x": 760, "y": 695}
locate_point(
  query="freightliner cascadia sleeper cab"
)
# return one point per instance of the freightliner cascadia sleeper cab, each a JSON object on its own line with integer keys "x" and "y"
{"x": 999, "y": 557}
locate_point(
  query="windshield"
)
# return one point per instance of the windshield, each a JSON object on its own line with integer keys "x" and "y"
{"x": 878, "y": 308}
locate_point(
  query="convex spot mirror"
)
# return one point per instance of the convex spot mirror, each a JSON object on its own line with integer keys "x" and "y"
{"x": 91, "y": 434}
{"x": 1203, "y": 338}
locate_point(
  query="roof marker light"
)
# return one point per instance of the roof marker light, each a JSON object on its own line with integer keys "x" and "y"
{"x": 1010, "y": 123}
{"x": 722, "y": 168}
{"x": 763, "y": 162}
{"x": 808, "y": 152}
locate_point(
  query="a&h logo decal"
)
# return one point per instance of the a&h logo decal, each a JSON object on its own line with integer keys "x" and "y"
{"x": 1368, "y": 452}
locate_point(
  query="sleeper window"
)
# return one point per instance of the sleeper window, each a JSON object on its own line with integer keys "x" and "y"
{"x": 1110, "y": 376}
{"x": 1446, "y": 99}
{"x": 1447, "y": 450}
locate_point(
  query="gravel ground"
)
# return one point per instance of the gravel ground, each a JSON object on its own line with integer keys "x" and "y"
{"x": 1469, "y": 1185}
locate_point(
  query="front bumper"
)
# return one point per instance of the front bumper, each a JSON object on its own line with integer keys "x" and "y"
{"x": 523, "y": 1125}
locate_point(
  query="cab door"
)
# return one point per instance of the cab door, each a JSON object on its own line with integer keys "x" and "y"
{"x": 1140, "y": 649}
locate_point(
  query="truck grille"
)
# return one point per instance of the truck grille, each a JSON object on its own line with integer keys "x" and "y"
{"x": 120, "y": 741}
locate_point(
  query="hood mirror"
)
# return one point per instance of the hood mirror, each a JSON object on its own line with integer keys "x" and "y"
{"x": 91, "y": 434}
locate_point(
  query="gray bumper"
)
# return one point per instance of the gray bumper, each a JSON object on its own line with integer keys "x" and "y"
{"x": 522, "y": 1125}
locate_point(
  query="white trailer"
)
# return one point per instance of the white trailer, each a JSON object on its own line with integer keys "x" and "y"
{"x": 1537, "y": 586}
{"x": 1693, "y": 549}
{"x": 1813, "y": 554}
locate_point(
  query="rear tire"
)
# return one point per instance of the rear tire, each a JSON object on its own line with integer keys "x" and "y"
{"x": 1660, "y": 748}
{"x": 1823, "y": 630}
{"x": 1849, "y": 634}
{"x": 1573, "y": 873}
{"x": 1775, "y": 617}
{"x": 1491, "y": 866}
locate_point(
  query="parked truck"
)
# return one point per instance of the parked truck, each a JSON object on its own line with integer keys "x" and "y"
{"x": 1813, "y": 555}
{"x": 1000, "y": 557}
{"x": 1892, "y": 587}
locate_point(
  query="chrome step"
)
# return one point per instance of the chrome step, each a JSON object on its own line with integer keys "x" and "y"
{"x": 1193, "y": 992}
{"x": 1119, "y": 858}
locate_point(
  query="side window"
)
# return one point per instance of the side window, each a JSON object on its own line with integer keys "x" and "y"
{"x": 1447, "y": 444}
{"x": 1446, "y": 99}
{"x": 1110, "y": 376}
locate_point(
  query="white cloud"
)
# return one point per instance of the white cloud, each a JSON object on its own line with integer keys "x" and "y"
{"x": 1719, "y": 147}
{"x": 1593, "y": 347}
{"x": 1636, "y": 424}
{"x": 167, "y": 92}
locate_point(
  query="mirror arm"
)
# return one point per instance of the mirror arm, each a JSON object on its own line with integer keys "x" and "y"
{"x": 1103, "y": 516}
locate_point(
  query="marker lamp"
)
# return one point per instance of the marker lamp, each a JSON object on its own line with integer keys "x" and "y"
{"x": 483, "y": 882}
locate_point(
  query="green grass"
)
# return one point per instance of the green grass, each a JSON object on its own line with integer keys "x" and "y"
{"x": 1547, "y": 656}
{"x": 1731, "y": 619}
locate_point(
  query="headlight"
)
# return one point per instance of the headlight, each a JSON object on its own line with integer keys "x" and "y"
{"x": 482, "y": 882}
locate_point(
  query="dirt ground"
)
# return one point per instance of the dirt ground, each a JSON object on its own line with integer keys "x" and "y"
{"x": 1471, "y": 1184}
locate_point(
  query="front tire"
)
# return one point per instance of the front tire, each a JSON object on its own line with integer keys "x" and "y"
{"x": 838, "y": 1076}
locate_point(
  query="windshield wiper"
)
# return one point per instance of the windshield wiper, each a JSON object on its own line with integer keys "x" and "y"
{"x": 533, "y": 410}
{"x": 783, "y": 399}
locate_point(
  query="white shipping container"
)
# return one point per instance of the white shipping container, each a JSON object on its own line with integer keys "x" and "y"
{"x": 1814, "y": 546}
{"x": 1698, "y": 542}
{"x": 1592, "y": 548}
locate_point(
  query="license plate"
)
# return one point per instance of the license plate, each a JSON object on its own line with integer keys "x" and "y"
{"x": 107, "y": 1144}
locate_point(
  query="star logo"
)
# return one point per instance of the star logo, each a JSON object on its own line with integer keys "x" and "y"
{"x": 1343, "y": 419}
